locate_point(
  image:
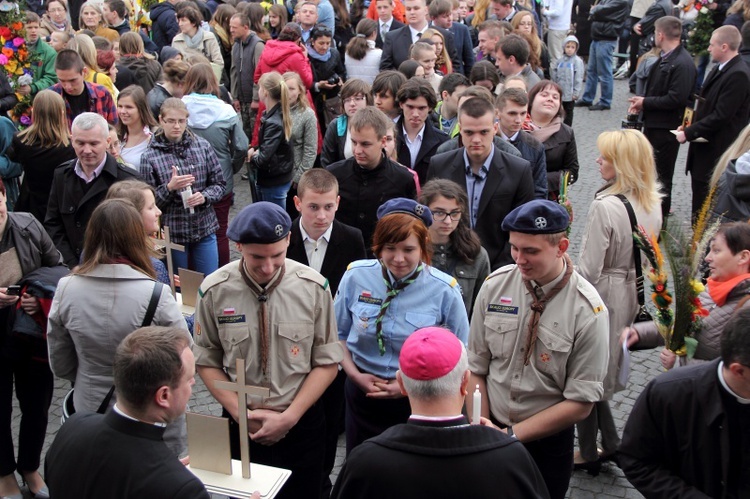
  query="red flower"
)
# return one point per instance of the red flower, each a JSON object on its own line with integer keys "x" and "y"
{"x": 5, "y": 32}
{"x": 659, "y": 288}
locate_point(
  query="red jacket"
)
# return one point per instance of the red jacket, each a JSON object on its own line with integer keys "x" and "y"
{"x": 283, "y": 57}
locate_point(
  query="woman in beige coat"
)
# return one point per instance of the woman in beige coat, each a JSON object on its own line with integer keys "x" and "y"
{"x": 626, "y": 164}
{"x": 193, "y": 39}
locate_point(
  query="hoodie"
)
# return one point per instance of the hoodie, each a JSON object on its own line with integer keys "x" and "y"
{"x": 568, "y": 73}
{"x": 218, "y": 123}
{"x": 163, "y": 24}
{"x": 282, "y": 57}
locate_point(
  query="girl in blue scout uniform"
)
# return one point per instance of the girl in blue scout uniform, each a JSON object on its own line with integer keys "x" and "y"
{"x": 382, "y": 302}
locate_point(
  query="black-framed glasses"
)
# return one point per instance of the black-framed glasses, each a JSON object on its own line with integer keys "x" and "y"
{"x": 440, "y": 215}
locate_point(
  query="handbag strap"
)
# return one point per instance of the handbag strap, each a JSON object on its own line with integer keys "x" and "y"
{"x": 636, "y": 251}
{"x": 150, "y": 311}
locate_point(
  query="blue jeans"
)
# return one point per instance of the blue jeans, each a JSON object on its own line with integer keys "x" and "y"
{"x": 599, "y": 70}
{"x": 203, "y": 256}
{"x": 275, "y": 194}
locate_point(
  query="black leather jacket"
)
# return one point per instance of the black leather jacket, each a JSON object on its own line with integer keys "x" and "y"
{"x": 607, "y": 19}
{"x": 275, "y": 159}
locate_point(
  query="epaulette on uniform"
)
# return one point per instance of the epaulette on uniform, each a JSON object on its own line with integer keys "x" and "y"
{"x": 311, "y": 275}
{"x": 592, "y": 297}
{"x": 212, "y": 280}
{"x": 443, "y": 277}
{"x": 362, "y": 263}
{"x": 501, "y": 271}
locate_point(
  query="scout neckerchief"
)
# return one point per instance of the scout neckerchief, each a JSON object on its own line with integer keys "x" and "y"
{"x": 262, "y": 295}
{"x": 540, "y": 302}
{"x": 392, "y": 291}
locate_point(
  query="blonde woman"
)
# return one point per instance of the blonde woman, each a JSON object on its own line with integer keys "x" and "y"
{"x": 304, "y": 137}
{"x": 86, "y": 49}
{"x": 91, "y": 18}
{"x": 626, "y": 164}
{"x": 40, "y": 149}
{"x": 143, "y": 66}
{"x": 443, "y": 63}
{"x": 524, "y": 25}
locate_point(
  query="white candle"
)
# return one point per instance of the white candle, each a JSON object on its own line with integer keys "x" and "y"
{"x": 477, "y": 406}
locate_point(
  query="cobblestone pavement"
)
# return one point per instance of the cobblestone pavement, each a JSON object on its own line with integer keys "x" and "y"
{"x": 587, "y": 124}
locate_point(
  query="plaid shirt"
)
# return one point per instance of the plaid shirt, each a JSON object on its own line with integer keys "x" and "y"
{"x": 195, "y": 156}
{"x": 100, "y": 102}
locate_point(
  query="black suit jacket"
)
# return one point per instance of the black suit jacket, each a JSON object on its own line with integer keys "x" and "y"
{"x": 346, "y": 245}
{"x": 668, "y": 89}
{"x": 431, "y": 140}
{"x": 509, "y": 184}
{"x": 394, "y": 26}
{"x": 95, "y": 455}
{"x": 722, "y": 112}
{"x": 71, "y": 205}
{"x": 398, "y": 44}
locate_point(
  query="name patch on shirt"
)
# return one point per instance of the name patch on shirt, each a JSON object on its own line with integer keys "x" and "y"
{"x": 502, "y": 309}
{"x": 370, "y": 300}
{"x": 232, "y": 319}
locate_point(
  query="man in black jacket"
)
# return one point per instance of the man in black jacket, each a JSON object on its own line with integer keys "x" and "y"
{"x": 164, "y": 23}
{"x": 607, "y": 18}
{"x": 670, "y": 82}
{"x": 81, "y": 184}
{"x": 687, "y": 434}
{"x": 369, "y": 179}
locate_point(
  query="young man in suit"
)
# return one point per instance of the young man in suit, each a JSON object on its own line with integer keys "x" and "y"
{"x": 496, "y": 182}
{"x": 154, "y": 372}
{"x": 398, "y": 43}
{"x": 328, "y": 246}
{"x": 512, "y": 106}
{"x": 386, "y": 21}
{"x": 417, "y": 138}
{"x": 722, "y": 111}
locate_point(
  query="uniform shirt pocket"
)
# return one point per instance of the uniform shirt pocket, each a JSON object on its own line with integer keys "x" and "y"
{"x": 501, "y": 333}
{"x": 551, "y": 351}
{"x": 295, "y": 346}
{"x": 235, "y": 340}
{"x": 420, "y": 320}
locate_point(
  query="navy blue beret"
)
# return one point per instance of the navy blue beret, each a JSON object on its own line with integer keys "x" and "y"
{"x": 407, "y": 206}
{"x": 259, "y": 223}
{"x": 539, "y": 216}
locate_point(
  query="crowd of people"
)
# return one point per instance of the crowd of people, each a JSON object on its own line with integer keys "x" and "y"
{"x": 404, "y": 264}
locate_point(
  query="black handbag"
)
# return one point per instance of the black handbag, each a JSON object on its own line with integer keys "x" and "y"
{"x": 643, "y": 314}
{"x": 68, "y": 408}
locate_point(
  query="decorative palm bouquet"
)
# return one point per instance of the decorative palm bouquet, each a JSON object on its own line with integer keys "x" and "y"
{"x": 563, "y": 199}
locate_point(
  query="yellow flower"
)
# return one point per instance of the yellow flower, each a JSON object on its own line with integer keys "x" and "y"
{"x": 698, "y": 286}
{"x": 12, "y": 66}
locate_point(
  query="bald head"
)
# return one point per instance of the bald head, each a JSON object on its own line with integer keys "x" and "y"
{"x": 729, "y": 35}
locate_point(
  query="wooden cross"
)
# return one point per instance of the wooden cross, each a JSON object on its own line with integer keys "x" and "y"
{"x": 243, "y": 391}
{"x": 168, "y": 247}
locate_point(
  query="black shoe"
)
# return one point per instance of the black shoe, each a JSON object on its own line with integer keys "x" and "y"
{"x": 599, "y": 107}
{"x": 582, "y": 103}
{"x": 592, "y": 468}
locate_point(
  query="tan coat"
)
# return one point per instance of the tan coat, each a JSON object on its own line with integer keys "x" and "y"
{"x": 606, "y": 261}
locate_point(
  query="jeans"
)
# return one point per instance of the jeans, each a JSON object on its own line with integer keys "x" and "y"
{"x": 203, "y": 256}
{"x": 276, "y": 194}
{"x": 222, "y": 215}
{"x": 600, "y": 70}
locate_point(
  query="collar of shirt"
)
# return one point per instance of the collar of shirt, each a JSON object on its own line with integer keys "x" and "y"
{"x": 548, "y": 287}
{"x": 726, "y": 386}
{"x": 721, "y": 66}
{"x": 512, "y": 138}
{"x": 254, "y": 282}
{"x": 416, "y": 33}
{"x": 306, "y": 237}
{"x": 393, "y": 279}
{"x": 386, "y": 24}
{"x": 664, "y": 55}
{"x": 126, "y": 416}
{"x": 417, "y": 139}
{"x": 419, "y": 417}
{"x": 97, "y": 171}
{"x": 484, "y": 170}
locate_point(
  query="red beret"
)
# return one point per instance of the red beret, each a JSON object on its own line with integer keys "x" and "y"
{"x": 430, "y": 353}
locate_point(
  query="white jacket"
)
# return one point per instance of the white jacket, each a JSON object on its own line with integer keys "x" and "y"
{"x": 366, "y": 69}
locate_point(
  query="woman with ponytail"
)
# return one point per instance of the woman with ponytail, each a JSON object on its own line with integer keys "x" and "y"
{"x": 273, "y": 161}
{"x": 362, "y": 58}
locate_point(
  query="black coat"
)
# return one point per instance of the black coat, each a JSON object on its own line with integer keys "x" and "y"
{"x": 394, "y": 26}
{"x": 607, "y": 17}
{"x": 108, "y": 455}
{"x": 722, "y": 113}
{"x": 345, "y": 246}
{"x": 668, "y": 90}
{"x": 363, "y": 191}
{"x": 509, "y": 184}
{"x": 431, "y": 140}
{"x": 275, "y": 159}
{"x": 676, "y": 440}
{"x": 333, "y": 144}
{"x": 8, "y": 99}
{"x": 71, "y": 204}
{"x": 164, "y": 25}
{"x": 561, "y": 153}
{"x": 424, "y": 459}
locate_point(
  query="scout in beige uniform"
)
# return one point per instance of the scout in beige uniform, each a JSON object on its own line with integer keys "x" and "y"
{"x": 538, "y": 344}
{"x": 278, "y": 315}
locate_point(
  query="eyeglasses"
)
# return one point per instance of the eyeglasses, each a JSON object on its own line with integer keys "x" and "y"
{"x": 172, "y": 122}
{"x": 55, "y": 11}
{"x": 440, "y": 215}
{"x": 357, "y": 98}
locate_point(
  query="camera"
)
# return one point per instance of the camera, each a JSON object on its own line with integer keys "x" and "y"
{"x": 334, "y": 79}
{"x": 632, "y": 122}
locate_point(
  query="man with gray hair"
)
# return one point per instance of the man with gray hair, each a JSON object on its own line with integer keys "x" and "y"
{"x": 79, "y": 185}
{"x": 438, "y": 444}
